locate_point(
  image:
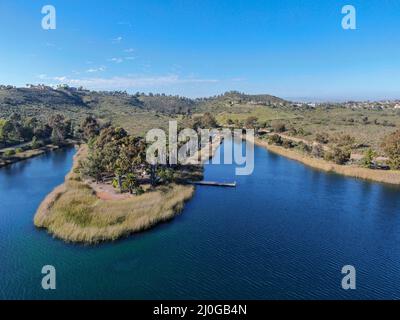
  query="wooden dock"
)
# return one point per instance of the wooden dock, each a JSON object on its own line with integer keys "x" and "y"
{"x": 214, "y": 184}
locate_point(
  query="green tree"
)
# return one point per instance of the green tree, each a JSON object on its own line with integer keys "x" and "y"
{"x": 166, "y": 175}
{"x": 35, "y": 144}
{"x": 275, "y": 139}
{"x": 369, "y": 157}
{"x": 391, "y": 146}
{"x": 6, "y": 130}
{"x": 3, "y": 139}
{"x": 131, "y": 183}
{"x": 251, "y": 122}
{"x": 206, "y": 121}
{"x": 278, "y": 126}
{"x": 10, "y": 153}
{"x": 94, "y": 166}
{"x": 317, "y": 150}
{"x": 90, "y": 128}
{"x": 322, "y": 138}
{"x": 59, "y": 129}
{"x": 338, "y": 155}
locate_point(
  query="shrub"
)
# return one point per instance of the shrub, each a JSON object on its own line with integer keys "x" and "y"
{"x": 35, "y": 144}
{"x": 391, "y": 146}
{"x": 9, "y": 153}
{"x": 275, "y": 139}
{"x": 317, "y": 150}
{"x": 368, "y": 159}
{"x": 303, "y": 147}
{"x": 287, "y": 144}
{"x": 167, "y": 175}
{"x": 115, "y": 183}
{"x": 343, "y": 140}
{"x": 300, "y": 132}
{"x": 278, "y": 127}
{"x": 293, "y": 131}
{"x": 251, "y": 122}
{"x": 19, "y": 150}
{"x": 338, "y": 155}
{"x": 322, "y": 138}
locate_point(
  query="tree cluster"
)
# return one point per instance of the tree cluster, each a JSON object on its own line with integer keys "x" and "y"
{"x": 17, "y": 129}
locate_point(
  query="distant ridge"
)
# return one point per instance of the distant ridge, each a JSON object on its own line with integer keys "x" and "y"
{"x": 68, "y": 97}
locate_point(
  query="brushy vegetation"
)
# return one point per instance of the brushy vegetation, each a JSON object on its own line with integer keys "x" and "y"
{"x": 391, "y": 146}
{"x": 318, "y": 124}
{"x": 385, "y": 176}
{"x": 17, "y": 130}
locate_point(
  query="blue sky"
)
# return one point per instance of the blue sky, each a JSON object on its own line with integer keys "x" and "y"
{"x": 290, "y": 48}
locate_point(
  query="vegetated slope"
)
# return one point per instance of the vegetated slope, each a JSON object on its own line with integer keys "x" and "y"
{"x": 258, "y": 99}
{"x": 167, "y": 104}
{"x": 43, "y": 96}
{"x": 64, "y": 98}
{"x": 237, "y": 102}
{"x": 138, "y": 113}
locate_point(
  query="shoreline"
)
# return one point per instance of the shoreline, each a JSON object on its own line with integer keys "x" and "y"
{"x": 109, "y": 220}
{"x": 29, "y": 154}
{"x": 382, "y": 176}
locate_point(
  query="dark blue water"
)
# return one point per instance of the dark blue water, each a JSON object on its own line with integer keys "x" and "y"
{"x": 285, "y": 232}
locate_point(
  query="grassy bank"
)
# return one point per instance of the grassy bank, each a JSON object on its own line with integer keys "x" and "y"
{"x": 73, "y": 212}
{"x": 390, "y": 177}
{"x": 31, "y": 153}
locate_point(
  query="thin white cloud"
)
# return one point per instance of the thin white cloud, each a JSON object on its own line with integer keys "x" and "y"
{"x": 117, "y": 40}
{"x": 60, "y": 79}
{"x": 99, "y": 69}
{"x": 132, "y": 82}
{"x": 116, "y": 60}
{"x": 123, "y": 23}
{"x": 130, "y": 58}
{"x": 130, "y": 50}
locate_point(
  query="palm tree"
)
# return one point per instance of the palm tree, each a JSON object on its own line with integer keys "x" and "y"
{"x": 131, "y": 183}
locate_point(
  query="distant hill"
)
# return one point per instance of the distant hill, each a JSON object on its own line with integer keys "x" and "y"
{"x": 235, "y": 97}
{"x": 39, "y": 95}
{"x": 167, "y": 104}
{"x": 62, "y": 97}
{"x": 138, "y": 112}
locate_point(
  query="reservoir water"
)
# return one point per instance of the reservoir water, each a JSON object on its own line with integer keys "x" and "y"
{"x": 285, "y": 232}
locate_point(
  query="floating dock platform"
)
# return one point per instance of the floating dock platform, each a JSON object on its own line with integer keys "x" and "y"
{"x": 214, "y": 184}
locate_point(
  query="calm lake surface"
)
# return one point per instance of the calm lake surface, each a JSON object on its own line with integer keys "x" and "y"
{"x": 284, "y": 233}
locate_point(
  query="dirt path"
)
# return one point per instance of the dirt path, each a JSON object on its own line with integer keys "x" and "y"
{"x": 105, "y": 191}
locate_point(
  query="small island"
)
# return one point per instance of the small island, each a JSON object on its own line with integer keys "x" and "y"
{"x": 111, "y": 192}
